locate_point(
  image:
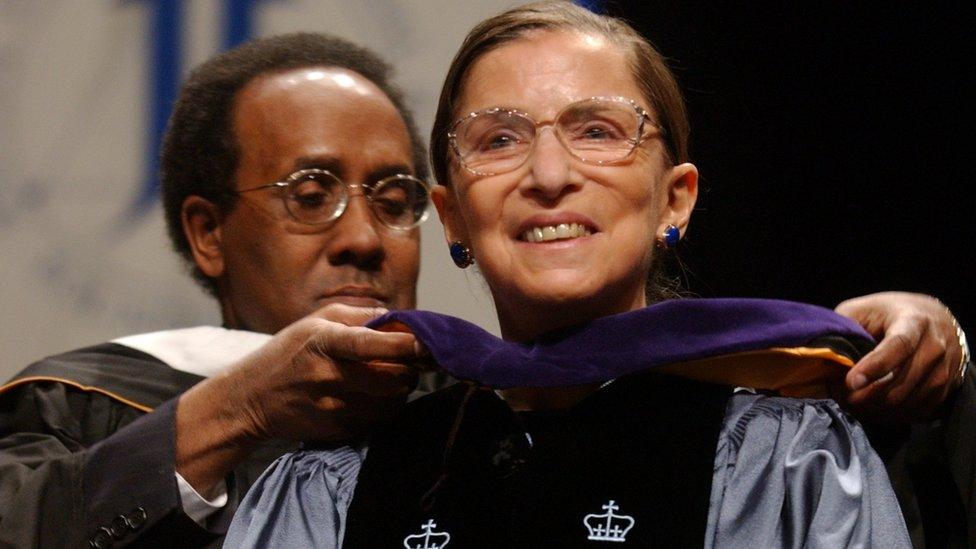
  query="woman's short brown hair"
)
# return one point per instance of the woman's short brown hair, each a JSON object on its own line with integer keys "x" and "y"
{"x": 649, "y": 68}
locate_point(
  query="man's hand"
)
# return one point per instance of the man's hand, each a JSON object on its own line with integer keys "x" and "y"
{"x": 324, "y": 377}
{"x": 916, "y": 363}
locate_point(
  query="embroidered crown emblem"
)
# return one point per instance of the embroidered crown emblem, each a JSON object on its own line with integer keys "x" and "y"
{"x": 608, "y": 526}
{"x": 428, "y": 539}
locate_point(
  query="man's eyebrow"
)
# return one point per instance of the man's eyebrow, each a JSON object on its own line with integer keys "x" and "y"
{"x": 387, "y": 171}
{"x": 334, "y": 166}
{"x": 329, "y": 163}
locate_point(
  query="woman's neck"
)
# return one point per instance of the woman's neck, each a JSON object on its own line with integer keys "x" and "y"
{"x": 526, "y": 321}
{"x": 525, "y": 399}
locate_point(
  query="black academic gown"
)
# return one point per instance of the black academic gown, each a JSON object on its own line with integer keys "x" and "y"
{"x": 932, "y": 467}
{"x": 462, "y": 461}
{"x": 88, "y": 444}
{"x": 87, "y": 454}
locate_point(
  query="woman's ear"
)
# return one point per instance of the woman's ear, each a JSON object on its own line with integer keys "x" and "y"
{"x": 446, "y": 203}
{"x": 201, "y": 225}
{"x": 681, "y": 185}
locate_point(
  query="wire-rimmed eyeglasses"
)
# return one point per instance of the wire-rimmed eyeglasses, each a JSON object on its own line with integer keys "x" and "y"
{"x": 317, "y": 197}
{"x": 597, "y": 130}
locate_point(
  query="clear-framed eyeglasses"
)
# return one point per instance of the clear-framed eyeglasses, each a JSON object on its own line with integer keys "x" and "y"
{"x": 317, "y": 197}
{"x": 597, "y": 130}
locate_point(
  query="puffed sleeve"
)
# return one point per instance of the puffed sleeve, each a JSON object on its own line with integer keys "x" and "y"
{"x": 799, "y": 473}
{"x": 301, "y": 500}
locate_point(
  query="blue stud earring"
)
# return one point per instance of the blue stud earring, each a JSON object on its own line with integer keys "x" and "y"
{"x": 461, "y": 255}
{"x": 671, "y": 236}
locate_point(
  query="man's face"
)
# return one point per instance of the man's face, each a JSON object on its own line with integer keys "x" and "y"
{"x": 277, "y": 270}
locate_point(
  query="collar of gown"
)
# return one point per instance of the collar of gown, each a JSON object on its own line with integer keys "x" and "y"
{"x": 682, "y": 336}
{"x": 201, "y": 350}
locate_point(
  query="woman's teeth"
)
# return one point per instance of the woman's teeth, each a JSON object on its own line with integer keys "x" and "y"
{"x": 556, "y": 232}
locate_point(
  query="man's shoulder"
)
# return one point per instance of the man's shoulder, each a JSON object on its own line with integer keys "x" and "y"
{"x": 123, "y": 373}
{"x": 92, "y": 360}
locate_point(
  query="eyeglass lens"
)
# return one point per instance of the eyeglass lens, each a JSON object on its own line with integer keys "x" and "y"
{"x": 317, "y": 197}
{"x": 595, "y": 131}
{"x": 399, "y": 202}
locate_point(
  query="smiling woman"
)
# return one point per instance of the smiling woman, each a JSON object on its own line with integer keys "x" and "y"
{"x": 602, "y": 416}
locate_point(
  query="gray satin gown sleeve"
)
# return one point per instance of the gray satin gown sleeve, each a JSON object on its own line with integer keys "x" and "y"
{"x": 788, "y": 473}
{"x": 799, "y": 473}
{"x": 301, "y": 500}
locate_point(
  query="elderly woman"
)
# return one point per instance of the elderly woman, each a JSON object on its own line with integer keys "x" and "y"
{"x": 560, "y": 143}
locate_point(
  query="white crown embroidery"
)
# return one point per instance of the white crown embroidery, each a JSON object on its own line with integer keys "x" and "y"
{"x": 608, "y": 527}
{"x": 429, "y": 539}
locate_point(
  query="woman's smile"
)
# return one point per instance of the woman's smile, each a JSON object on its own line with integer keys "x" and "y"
{"x": 551, "y": 233}
{"x": 555, "y": 227}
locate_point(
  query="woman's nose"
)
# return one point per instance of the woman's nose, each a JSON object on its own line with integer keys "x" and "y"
{"x": 551, "y": 166}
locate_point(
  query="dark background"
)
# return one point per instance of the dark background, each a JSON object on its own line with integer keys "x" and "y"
{"x": 833, "y": 143}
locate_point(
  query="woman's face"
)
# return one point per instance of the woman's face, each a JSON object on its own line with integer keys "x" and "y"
{"x": 541, "y": 285}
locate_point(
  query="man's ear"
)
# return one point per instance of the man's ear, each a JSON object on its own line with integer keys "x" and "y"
{"x": 201, "y": 225}
{"x": 681, "y": 184}
{"x": 446, "y": 203}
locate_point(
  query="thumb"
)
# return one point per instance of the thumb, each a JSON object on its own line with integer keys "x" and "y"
{"x": 348, "y": 314}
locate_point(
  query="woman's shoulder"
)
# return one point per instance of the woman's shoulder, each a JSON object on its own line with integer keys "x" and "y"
{"x": 799, "y": 472}
{"x": 756, "y": 421}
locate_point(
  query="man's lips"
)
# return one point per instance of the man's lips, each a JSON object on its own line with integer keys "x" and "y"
{"x": 358, "y": 296}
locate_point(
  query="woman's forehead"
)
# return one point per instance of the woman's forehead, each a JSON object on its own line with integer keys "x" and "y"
{"x": 544, "y": 71}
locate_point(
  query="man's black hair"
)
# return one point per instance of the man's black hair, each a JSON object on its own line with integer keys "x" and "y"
{"x": 200, "y": 151}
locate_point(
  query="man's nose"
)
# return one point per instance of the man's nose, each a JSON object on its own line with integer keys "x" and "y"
{"x": 354, "y": 239}
{"x": 550, "y": 166}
